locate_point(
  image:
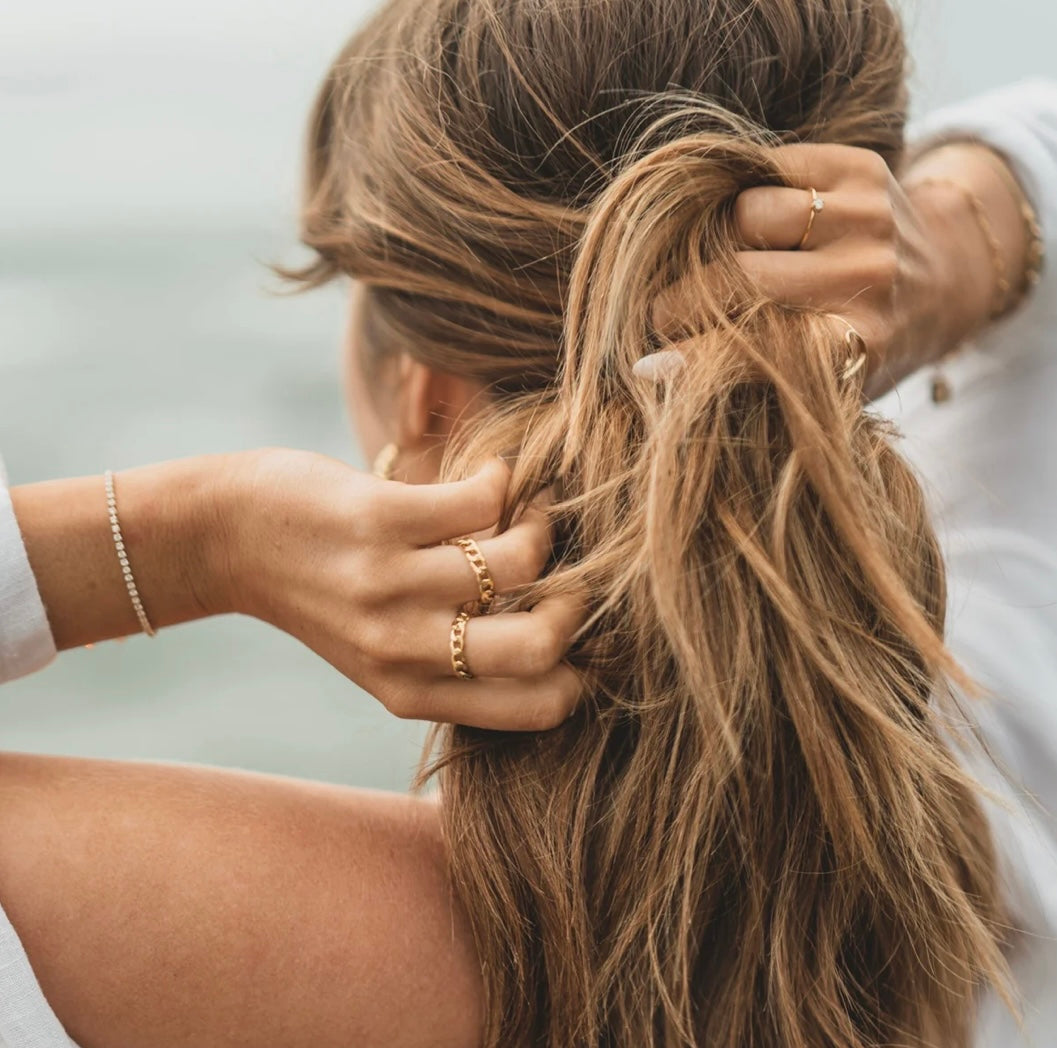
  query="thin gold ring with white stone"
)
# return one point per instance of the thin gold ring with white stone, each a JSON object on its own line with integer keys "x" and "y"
{"x": 122, "y": 556}
{"x": 817, "y": 205}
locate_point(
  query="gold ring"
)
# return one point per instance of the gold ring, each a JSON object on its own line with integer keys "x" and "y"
{"x": 817, "y": 204}
{"x": 458, "y": 646}
{"x": 857, "y": 344}
{"x": 485, "y": 582}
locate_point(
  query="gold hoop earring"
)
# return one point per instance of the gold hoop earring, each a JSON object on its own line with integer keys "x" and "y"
{"x": 385, "y": 462}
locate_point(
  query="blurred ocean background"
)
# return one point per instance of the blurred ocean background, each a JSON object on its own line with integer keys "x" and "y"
{"x": 149, "y": 161}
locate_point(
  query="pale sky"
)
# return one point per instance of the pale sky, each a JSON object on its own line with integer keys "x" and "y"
{"x": 155, "y": 111}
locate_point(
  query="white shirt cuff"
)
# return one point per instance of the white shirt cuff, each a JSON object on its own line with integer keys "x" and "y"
{"x": 26, "y": 643}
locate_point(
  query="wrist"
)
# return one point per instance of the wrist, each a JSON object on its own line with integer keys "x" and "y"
{"x": 979, "y": 230}
{"x": 249, "y": 504}
{"x": 177, "y": 529}
{"x": 173, "y": 530}
{"x": 963, "y": 275}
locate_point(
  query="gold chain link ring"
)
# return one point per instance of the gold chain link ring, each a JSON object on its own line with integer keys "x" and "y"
{"x": 458, "y": 646}
{"x": 485, "y": 582}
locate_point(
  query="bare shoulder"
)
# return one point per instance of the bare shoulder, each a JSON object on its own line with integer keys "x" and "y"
{"x": 177, "y": 906}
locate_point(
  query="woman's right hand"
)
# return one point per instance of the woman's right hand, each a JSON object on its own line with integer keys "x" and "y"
{"x": 355, "y": 567}
{"x": 903, "y": 261}
{"x": 872, "y": 259}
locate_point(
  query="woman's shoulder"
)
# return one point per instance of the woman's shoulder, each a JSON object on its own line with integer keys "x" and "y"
{"x": 171, "y": 906}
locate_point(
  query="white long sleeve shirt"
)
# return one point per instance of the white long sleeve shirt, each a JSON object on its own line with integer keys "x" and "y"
{"x": 26, "y": 643}
{"x": 989, "y": 462}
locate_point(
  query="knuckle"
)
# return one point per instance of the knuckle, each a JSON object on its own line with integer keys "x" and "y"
{"x": 532, "y": 554}
{"x": 489, "y": 500}
{"x": 520, "y": 557}
{"x": 887, "y": 265}
{"x": 541, "y": 548}
{"x": 880, "y": 268}
{"x": 379, "y": 579}
{"x": 545, "y": 716}
{"x": 541, "y": 652}
{"x": 367, "y": 515}
{"x": 400, "y": 703}
{"x": 745, "y": 212}
{"x": 882, "y": 219}
{"x": 519, "y": 563}
{"x": 364, "y": 588}
{"x": 377, "y": 639}
{"x": 874, "y": 167}
{"x": 842, "y": 157}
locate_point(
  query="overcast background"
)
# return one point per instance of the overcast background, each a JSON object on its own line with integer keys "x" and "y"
{"x": 149, "y": 157}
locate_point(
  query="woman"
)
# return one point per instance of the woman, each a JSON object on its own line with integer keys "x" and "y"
{"x": 757, "y": 829}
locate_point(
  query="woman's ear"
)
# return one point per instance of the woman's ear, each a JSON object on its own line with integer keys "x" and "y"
{"x": 429, "y": 406}
{"x": 413, "y": 403}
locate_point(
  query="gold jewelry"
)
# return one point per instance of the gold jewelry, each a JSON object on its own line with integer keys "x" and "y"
{"x": 1035, "y": 257}
{"x": 817, "y": 205}
{"x": 385, "y": 462}
{"x": 122, "y": 556}
{"x": 857, "y": 345}
{"x": 983, "y": 220}
{"x": 485, "y": 582}
{"x": 941, "y": 390}
{"x": 458, "y": 646}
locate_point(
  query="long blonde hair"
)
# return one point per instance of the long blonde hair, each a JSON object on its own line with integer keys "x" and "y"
{"x": 754, "y": 833}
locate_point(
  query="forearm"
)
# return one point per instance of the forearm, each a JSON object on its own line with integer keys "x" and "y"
{"x": 171, "y": 523}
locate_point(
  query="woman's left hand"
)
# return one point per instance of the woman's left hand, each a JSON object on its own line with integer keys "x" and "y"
{"x": 357, "y": 568}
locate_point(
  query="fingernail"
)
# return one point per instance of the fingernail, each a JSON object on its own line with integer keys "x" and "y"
{"x": 659, "y": 366}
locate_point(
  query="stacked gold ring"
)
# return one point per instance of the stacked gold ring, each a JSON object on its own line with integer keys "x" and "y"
{"x": 458, "y": 646}
{"x": 485, "y": 582}
{"x": 486, "y": 597}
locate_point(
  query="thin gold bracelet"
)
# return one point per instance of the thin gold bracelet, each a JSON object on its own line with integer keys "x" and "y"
{"x": 983, "y": 220}
{"x": 1035, "y": 257}
{"x": 122, "y": 556}
{"x": 1005, "y": 301}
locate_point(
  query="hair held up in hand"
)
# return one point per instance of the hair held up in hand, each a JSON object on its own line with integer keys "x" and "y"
{"x": 754, "y": 834}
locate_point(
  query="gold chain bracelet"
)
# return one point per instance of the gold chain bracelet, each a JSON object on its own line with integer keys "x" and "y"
{"x": 1035, "y": 258}
{"x": 122, "y": 555}
{"x": 1005, "y": 299}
